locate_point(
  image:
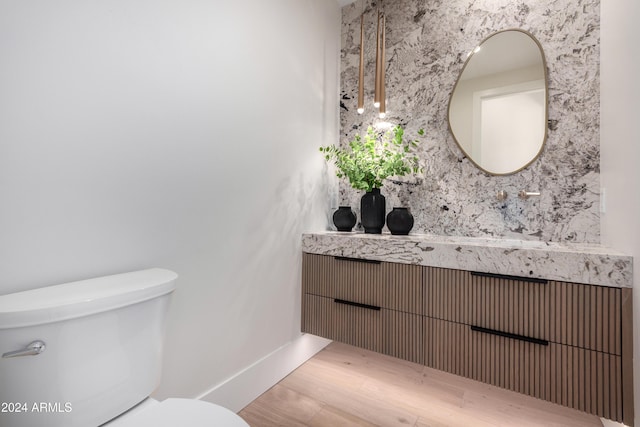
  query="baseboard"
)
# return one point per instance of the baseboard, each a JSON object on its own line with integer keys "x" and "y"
{"x": 609, "y": 423}
{"x": 242, "y": 388}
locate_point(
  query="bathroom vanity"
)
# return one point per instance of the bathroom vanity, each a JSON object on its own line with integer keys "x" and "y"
{"x": 548, "y": 320}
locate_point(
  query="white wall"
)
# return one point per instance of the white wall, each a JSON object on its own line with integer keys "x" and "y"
{"x": 620, "y": 143}
{"x": 179, "y": 134}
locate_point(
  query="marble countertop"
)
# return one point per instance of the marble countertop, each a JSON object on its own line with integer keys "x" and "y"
{"x": 570, "y": 262}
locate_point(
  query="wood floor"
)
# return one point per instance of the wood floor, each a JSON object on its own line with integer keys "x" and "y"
{"x": 347, "y": 386}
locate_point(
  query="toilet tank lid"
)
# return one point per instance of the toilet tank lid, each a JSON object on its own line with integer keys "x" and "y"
{"x": 82, "y": 298}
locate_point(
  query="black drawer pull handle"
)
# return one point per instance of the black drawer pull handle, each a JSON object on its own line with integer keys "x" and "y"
{"x": 509, "y": 335}
{"x": 507, "y": 277}
{"x": 356, "y": 304}
{"x": 345, "y": 258}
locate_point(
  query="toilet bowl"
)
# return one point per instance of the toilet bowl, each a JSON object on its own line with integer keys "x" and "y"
{"x": 178, "y": 412}
{"x": 89, "y": 354}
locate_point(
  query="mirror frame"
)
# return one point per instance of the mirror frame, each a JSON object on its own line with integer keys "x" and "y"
{"x": 546, "y": 106}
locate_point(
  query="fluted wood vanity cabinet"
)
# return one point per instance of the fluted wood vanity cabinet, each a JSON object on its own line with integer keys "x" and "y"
{"x": 567, "y": 343}
{"x": 558, "y": 341}
{"x": 369, "y": 304}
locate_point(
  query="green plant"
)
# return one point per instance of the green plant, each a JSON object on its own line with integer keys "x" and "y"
{"x": 370, "y": 159}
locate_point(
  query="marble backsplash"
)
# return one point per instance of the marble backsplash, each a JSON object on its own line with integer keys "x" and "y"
{"x": 427, "y": 43}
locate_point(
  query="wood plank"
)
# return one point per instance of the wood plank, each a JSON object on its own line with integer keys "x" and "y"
{"x": 347, "y": 386}
{"x": 268, "y": 409}
{"x": 335, "y": 417}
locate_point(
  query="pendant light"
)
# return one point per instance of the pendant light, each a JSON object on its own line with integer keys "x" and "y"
{"x": 376, "y": 96}
{"x": 379, "y": 100}
{"x": 361, "y": 75}
{"x": 382, "y": 98}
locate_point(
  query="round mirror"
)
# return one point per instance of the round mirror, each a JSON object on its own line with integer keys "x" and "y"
{"x": 498, "y": 107}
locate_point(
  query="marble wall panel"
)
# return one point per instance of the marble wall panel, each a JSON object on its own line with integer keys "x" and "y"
{"x": 427, "y": 43}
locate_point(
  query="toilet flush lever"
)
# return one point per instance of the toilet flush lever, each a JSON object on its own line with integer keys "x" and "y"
{"x": 32, "y": 349}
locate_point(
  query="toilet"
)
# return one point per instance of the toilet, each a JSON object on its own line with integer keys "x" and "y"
{"x": 89, "y": 354}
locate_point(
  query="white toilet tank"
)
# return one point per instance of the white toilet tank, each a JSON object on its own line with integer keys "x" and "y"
{"x": 100, "y": 343}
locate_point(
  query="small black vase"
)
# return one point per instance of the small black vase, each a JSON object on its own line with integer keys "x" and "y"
{"x": 372, "y": 209}
{"x": 400, "y": 221}
{"x": 344, "y": 218}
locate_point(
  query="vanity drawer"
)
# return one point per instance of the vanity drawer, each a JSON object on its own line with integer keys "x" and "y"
{"x": 586, "y": 316}
{"x": 580, "y": 315}
{"x": 382, "y": 284}
{"x": 385, "y": 331}
{"x": 509, "y": 305}
{"x": 586, "y": 380}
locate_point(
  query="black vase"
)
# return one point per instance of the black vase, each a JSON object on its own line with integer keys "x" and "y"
{"x": 344, "y": 218}
{"x": 400, "y": 221}
{"x": 372, "y": 209}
